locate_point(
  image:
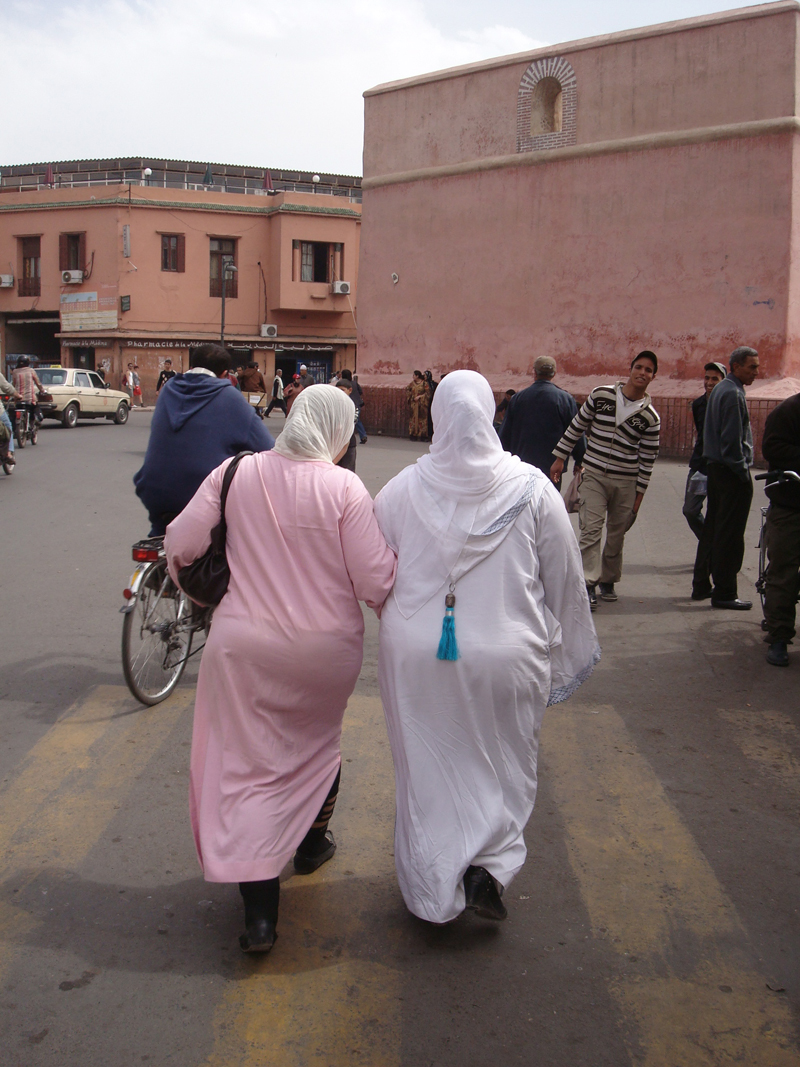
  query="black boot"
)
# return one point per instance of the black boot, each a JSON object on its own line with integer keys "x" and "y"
{"x": 483, "y": 894}
{"x": 260, "y": 914}
{"x": 318, "y": 846}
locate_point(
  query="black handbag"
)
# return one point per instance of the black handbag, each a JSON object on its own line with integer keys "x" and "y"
{"x": 205, "y": 580}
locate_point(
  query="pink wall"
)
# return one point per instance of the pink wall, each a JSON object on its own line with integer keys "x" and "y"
{"x": 684, "y": 248}
{"x": 695, "y": 73}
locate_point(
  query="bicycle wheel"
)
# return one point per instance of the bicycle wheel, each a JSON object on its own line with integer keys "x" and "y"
{"x": 34, "y": 432}
{"x": 156, "y": 636}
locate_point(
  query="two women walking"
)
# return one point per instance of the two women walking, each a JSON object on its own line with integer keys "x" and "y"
{"x": 467, "y": 521}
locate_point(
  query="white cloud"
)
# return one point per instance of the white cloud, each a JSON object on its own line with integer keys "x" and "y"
{"x": 247, "y": 81}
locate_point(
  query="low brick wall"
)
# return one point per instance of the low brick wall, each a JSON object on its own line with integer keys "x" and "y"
{"x": 386, "y": 412}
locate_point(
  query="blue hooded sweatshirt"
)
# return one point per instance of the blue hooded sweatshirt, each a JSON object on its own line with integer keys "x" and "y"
{"x": 198, "y": 423}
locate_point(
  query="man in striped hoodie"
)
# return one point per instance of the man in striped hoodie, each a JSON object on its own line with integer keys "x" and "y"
{"x": 622, "y": 429}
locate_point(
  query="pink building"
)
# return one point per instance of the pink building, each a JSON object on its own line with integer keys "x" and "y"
{"x": 589, "y": 200}
{"x": 96, "y": 271}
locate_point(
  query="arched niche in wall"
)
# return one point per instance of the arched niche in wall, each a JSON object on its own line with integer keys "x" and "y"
{"x": 546, "y": 104}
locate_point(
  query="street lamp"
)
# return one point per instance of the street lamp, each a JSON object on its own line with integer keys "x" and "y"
{"x": 228, "y": 270}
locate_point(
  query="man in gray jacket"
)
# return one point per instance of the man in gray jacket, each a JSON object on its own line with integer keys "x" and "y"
{"x": 728, "y": 450}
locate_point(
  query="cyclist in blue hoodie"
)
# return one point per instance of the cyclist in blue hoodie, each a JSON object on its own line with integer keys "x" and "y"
{"x": 200, "y": 420}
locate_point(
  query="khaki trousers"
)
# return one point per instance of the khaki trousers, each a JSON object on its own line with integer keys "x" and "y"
{"x": 604, "y": 498}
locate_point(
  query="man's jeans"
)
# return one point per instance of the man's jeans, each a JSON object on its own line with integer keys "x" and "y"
{"x": 605, "y": 498}
{"x": 720, "y": 550}
{"x": 696, "y": 491}
{"x": 6, "y": 421}
{"x": 782, "y": 533}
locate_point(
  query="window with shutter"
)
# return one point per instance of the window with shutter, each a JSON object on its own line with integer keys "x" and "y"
{"x": 72, "y": 251}
{"x": 30, "y": 281}
{"x": 223, "y": 250}
{"x": 169, "y": 251}
{"x": 315, "y": 261}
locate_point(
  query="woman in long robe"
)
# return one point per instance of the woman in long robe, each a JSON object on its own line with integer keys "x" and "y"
{"x": 283, "y": 654}
{"x": 473, "y": 521}
{"x": 418, "y": 401}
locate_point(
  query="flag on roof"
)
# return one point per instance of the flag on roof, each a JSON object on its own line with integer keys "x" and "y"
{"x": 49, "y": 178}
{"x": 267, "y": 183}
{"x": 208, "y": 177}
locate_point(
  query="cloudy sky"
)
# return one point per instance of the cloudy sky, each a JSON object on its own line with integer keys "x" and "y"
{"x": 257, "y": 82}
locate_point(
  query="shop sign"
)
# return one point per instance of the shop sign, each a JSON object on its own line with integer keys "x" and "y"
{"x": 87, "y": 342}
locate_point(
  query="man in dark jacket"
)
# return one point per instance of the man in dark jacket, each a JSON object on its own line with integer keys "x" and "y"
{"x": 537, "y": 417}
{"x": 728, "y": 451}
{"x": 251, "y": 380}
{"x": 200, "y": 420}
{"x": 697, "y": 482}
{"x": 781, "y": 448}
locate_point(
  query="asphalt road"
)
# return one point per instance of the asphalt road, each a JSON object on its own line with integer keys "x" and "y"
{"x": 655, "y": 921}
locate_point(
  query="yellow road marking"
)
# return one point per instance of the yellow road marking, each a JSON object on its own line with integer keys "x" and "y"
{"x": 693, "y": 991}
{"x": 315, "y": 1000}
{"x": 764, "y": 737}
{"x": 72, "y": 782}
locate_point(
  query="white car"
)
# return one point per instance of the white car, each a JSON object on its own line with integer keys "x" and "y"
{"x": 81, "y": 394}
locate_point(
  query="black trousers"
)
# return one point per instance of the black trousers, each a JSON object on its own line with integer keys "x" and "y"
{"x": 262, "y": 899}
{"x": 720, "y": 550}
{"x": 275, "y": 403}
{"x": 783, "y": 572}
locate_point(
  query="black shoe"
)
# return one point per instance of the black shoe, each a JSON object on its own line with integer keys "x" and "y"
{"x": 260, "y": 936}
{"x": 363, "y": 440}
{"x": 591, "y": 593}
{"x": 732, "y": 605}
{"x": 701, "y": 594}
{"x": 777, "y": 654}
{"x": 607, "y": 591}
{"x": 304, "y": 863}
{"x": 483, "y": 894}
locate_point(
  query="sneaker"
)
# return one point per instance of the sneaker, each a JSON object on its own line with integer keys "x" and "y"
{"x": 777, "y": 654}
{"x": 307, "y": 864}
{"x": 607, "y": 591}
{"x": 590, "y": 590}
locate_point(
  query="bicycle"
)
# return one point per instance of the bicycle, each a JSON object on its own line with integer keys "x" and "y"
{"x": 778, "y": 477}
{"x": 159, "y": 627}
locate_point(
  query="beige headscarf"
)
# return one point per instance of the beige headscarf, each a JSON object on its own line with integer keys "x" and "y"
{"x": 319, "y": 426}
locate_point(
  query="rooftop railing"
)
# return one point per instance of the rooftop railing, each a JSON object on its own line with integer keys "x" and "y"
{"x": 230, "y": 184}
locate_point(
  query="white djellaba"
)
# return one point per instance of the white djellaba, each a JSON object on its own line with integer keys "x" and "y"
{"x": 473, "y": 520}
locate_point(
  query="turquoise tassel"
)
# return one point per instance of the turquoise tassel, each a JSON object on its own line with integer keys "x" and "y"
{"x": 448, "y": 648}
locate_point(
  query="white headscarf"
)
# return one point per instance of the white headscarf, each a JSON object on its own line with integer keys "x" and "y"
{"x": 319, "y": 426}
{"x": 464, "y": 493}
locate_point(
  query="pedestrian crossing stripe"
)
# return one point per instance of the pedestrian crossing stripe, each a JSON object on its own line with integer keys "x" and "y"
{"x": 693, "y": 993}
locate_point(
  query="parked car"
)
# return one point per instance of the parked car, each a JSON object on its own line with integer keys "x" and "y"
{"x": 81, "y": 394}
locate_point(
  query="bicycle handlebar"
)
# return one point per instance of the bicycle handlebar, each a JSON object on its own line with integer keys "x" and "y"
{"x": 782, "y": 476}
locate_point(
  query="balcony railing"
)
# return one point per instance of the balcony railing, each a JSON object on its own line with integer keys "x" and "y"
{"x": 29, "y": 286}
{"x": 233, "y": 184}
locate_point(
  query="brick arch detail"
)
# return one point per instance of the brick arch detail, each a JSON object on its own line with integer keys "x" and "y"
{"x": 552, "y": 67}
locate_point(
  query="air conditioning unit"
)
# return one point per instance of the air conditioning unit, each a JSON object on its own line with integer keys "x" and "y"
{"x": 6, "y": 281}
{"x": 72, "y": 277}
{"x": 268, "y": 330}
{"x": 342, "y": 288}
